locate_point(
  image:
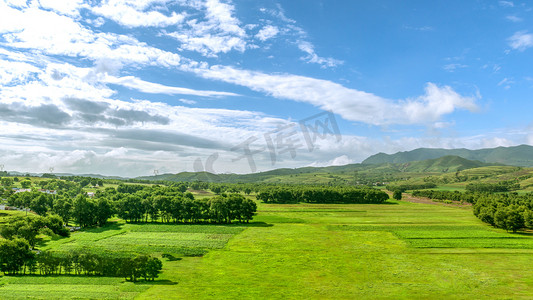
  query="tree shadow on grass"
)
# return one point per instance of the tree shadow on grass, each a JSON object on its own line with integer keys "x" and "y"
{"x": 156, "y": 282}
{"x": 107, "y": 227}
{"x": 255, "y": 224}
{"x": 524, "y": 233}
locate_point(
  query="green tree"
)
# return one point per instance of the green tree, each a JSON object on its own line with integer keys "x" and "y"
{"x": 84, "y": 211}
{"x": 63, "y": 207}
{"x": 104, "y": 210}
{"x": 25, "y": 184}
{"x": 7, "y": 181}
{"x": 153, "y": 268}
{"x": 509, "y": 218}
{"x": 397, "y": 195}
{"x": 13, "y": 255}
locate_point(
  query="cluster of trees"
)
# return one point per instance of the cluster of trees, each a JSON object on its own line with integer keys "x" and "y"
{"x": 84, "y": 211}
{"x": 17, "y": 258}
{"x": 28, "y": 228}
{"x": 137, "y": 203}
{"x": 309, "y": 194}
{"x": 445, "y": 195}
{"x": 502, "y": 186}
{"x": 411, "y": 186}
{"x": 84, "y": 181}
{"x": 508, "y": 211}
{"x": 176, "y": 207}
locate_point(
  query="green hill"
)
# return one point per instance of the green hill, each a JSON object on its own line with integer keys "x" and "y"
{"x": 334, "y": 174}
{"x": 515, "y": 156}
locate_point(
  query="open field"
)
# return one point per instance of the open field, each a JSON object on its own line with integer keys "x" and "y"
{"x": 305, "y": 251}
{"x": 406, "y": 250}
{"x": 154, "y": 239}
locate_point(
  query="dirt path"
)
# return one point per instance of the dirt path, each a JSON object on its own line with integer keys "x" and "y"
{"x": 409, "y": 198}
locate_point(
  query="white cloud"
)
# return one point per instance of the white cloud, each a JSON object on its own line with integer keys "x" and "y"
{"x": 423, "y": 28}
{"x": 64, "y": 7}
{"x": 521, "y": 40}
{"x": 156, "y": 88}
{"x": 514, "y": 19}
{"x": 506, "y": 83}
{"x": 349, "y": 103}
{"x": 436, "y": 102}
{"x": 454, "y": 67}
{"x": 187, "y": 101}
{"x": 337, "y": 161}
{"x": 33, "y": 28}
{"x": 133, "y": 13}
{"x": 289, "y": 29}
{"x": 220, "y": 32}
{"x": 506, "y": 3}
{"x": 267, "y": 32}
{"x": 13, "y": 72}
{"x": 312, "y": 57}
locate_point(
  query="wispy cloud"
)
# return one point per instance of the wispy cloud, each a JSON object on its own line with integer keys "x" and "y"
{"x": 506, "y": 3}
{"x": 521, "y": 40}
{"x": 218, "y": 32}
{"x": 454, "y": 67}
{"x": 136, "y": 13}
{"x": 133, "y": 82}
{"x": 421, "y": 28}
{"x": 267, "y": 32}
{"x": 514, "y": 19}
{"x": 312, "y": 57}
{"x": 506, "y": 83}
{"x": 351, "y": 104}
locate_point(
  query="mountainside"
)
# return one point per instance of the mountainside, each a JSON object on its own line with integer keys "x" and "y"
{"x": 516, "y": 156}
{"x": 326, "y": 174}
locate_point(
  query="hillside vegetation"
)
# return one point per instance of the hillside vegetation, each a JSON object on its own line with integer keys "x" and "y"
{"x": 516, "y": 156}
{"x": 334, "y": 175}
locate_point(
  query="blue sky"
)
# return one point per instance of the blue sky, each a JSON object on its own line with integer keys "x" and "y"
{"x": 125, "y": 87}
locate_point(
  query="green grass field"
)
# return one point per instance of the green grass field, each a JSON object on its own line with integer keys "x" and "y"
{"x": 310, "y": 251}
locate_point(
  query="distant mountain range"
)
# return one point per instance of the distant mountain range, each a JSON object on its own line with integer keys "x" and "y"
{"x": 439, "y": 165}
{"x": 514, "y": 156}
{"x": 422, "y": 160}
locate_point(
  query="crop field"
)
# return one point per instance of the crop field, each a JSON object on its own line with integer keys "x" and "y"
{"x": 155, "y": 239}
{"x": 399, "y": 250}
{"x": 188, "y": 240}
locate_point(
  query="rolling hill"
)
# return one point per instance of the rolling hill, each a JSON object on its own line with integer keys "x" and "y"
{"x": 515, "y": 156}
{"x": 321, "y": 175}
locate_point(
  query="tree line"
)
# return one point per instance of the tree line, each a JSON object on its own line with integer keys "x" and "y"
{"x": 139, "y": 204}
{"x": 509, "y": 211}
{"x": 28, "y": 228}
{"x": 16, "y": 258}
{"x": 410, "y": 186}
{"x": 502, "y": 186}
{"x": 307, "y": 194}
{"x": 446, "y": 195}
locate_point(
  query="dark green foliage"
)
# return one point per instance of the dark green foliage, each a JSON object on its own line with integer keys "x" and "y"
{"x": 502, "y": 186}
{"x": 445, "y": 195}
{"x": 29, "y": 227}
{"x": 169, "y": 204}
{"x": 295, "y": 194}
{"x": 508, "y": 211}
{"x": 397, "y": 195}
{"x": 129, "y": 188}
{"x": 14, "y": 255}
{"x": 412, "y": 186}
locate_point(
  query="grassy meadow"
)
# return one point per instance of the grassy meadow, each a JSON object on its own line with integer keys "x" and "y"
{"x": 309, "y": 251}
